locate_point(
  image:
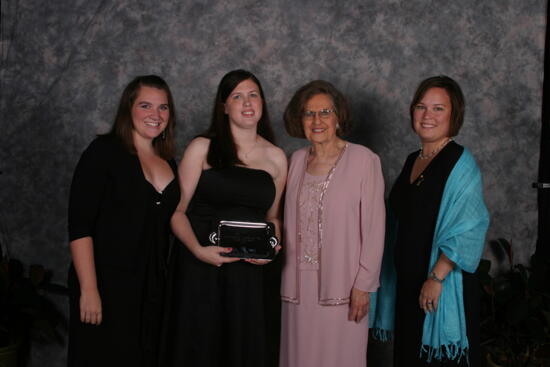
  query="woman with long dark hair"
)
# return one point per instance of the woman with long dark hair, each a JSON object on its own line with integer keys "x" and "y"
{"x": 123, "y": 194}
{"x": 233, "y": 172}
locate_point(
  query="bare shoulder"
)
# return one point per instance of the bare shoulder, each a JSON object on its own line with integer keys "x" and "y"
{"x": 196, "y": 151}
{"x": 273, "y": 159}
{"x": 274, "y": 153}
{"x": 277, "y": 154}
{"x": 198, "y": 144}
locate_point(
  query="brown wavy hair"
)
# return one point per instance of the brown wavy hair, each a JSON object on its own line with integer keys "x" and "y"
{"x": 123, "y": 127}
{"x": 294, "y": 111}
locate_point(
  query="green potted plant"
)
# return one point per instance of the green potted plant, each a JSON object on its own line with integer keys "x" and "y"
{"x": 515, "y": 313}
{"x": 26, "y": 313}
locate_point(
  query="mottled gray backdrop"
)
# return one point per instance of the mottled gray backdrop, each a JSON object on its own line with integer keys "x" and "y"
{"x": 65, "y": 63}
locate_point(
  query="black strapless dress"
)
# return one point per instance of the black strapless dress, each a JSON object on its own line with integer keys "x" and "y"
{"x": 217, "y": 315}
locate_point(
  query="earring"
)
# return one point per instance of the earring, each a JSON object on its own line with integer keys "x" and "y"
{"x": 163, "y": 135}
{"x": 337, "y": 126}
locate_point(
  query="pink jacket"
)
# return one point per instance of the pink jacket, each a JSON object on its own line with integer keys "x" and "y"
{"x": 353, "y": 224}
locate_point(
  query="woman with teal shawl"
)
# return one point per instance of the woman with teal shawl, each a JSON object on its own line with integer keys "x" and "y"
{"x": 428, "y": 299}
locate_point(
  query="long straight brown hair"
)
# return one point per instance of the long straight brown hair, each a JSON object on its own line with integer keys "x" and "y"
{"x": 223, "y": 151}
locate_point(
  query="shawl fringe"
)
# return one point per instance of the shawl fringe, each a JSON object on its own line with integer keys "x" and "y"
{"x": 382, "y": 335}
{"x": 444, "y": 352}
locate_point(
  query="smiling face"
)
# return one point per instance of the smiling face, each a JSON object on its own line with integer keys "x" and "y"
{"x": 320, "y": 129}
{"x": 432, "y": 116}
{"x": 244, "y": 105}
{"x": 150, "y": 113}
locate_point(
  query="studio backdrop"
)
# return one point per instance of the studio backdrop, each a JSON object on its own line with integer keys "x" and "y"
{"x": 64, "y": 65}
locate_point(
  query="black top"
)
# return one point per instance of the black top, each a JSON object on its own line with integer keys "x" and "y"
{"x": 416, "y": 206}
{"x": 109, "y": 201}
{"x": 233, "y": 193}
{"x": 217, "y": 315}
{"x": 128, "y": 220}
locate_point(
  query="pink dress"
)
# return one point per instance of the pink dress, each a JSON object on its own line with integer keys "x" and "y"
{"x": 320, "y": 270}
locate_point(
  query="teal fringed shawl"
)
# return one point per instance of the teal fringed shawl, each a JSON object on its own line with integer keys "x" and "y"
{"x": 460, "y": 233}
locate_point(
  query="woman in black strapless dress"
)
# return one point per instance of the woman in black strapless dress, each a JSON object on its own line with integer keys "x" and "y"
{"x": 232, "y": 172}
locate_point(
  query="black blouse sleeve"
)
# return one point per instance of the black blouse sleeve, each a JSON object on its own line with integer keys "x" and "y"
{"x": 87, "y": 189}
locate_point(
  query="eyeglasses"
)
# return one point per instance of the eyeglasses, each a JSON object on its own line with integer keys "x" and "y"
{"x": 323, "y": 114}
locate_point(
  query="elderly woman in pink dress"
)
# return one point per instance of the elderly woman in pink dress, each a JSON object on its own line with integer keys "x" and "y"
{"x": 333, "y": 235}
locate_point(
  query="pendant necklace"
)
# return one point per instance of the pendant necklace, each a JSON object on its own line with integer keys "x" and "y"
{"x": 251, "y": 149}
{"x": 433, "y": 152}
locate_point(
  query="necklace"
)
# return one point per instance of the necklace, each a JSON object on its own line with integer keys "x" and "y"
{"x": 251, "y": 149}
{"x": 433, "y": 152}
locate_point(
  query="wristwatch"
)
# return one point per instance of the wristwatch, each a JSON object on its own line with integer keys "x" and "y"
{"x": 433, "y": 276}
